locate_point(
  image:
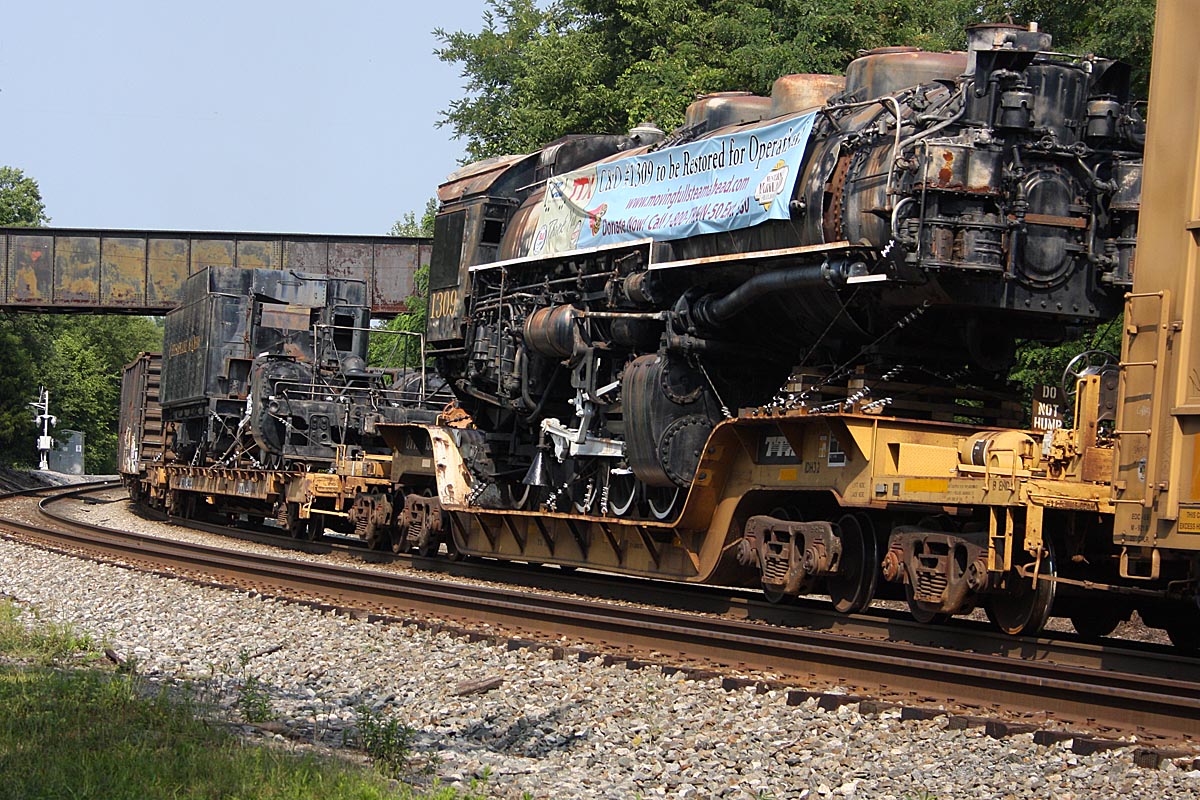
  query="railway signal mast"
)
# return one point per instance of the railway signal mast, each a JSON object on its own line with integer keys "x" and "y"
{"x": 45, "y": 442}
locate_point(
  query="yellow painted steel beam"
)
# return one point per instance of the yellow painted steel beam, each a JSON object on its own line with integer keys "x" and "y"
{"x": 1156, "y": 470}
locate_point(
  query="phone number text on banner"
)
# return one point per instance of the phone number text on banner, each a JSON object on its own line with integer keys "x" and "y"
{"x": 708, "y": 186}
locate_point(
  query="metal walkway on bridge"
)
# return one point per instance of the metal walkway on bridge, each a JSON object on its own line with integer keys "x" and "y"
{"x": 142, "y": 272}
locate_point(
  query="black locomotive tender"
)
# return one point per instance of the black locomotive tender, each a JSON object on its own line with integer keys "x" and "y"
{"x": 264, "y": 370}
{"x": 710, "y": 408}
{"x": 268, "y": 366}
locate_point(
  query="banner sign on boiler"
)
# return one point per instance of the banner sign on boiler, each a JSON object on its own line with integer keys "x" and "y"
{"x": 717, "y": 184}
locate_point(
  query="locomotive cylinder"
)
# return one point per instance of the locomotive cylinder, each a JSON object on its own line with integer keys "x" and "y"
{"x": 552, "y": 331}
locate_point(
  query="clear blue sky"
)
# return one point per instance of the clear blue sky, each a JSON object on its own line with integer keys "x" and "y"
{"x": 257, "y": 116}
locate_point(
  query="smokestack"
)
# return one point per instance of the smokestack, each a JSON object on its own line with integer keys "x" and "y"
{"x": 1002, "y": 36}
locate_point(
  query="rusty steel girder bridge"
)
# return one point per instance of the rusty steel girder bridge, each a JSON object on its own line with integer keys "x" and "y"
{"x": 142, "y": 272}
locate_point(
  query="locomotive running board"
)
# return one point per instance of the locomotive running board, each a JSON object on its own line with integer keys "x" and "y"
{"x": 758, "y": 255}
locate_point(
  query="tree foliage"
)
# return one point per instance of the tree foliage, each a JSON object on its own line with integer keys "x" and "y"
{"x": 1038, "y": 363}
{"x": 83, "y": 373}
{"x": 24, "y": 339}
{"x": 78, "y": 358}
{"x": 25, "y": 343}
{"x": 396, "y": 343}
{"x": 409, "y": 225}
{"x": 20, "y": 199}
{"x": 1122, "y": 29}
{"x": 538, "y": 71}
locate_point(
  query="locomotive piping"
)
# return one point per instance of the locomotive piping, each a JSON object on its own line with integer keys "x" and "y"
{"x": 953, "y": 118}
{"x": 685, "y": 343}
{"x": 523, "y": 368}
{"x": 710, "y": 311}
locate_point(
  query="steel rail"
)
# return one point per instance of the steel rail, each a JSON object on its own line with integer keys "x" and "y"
{"x": 1065, "y": 649}
{"x": 1096, "y": 696}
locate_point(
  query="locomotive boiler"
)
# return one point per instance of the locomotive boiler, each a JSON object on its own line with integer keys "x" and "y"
{"x": 600, "y": 305}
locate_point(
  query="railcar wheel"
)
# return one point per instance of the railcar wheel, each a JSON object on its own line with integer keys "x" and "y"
{"x": 375, "y": 538}
{"x": 622, "y": 493}
{"x": 1097, "y": 622}
{"x": 518, "y": 495}
{"x": 372, "y": 517}
{"x": 853, "y": 588}
{"x": 1023, "y": 609}
{"x": 452, "y": 551}
{"x": 776, "y": 597}
{"x": 789, "y": 513}
{"x": 429, "y": 542}
{"x": 428, "y": 545}
{"x": 663, "y": 501}
{"x": 299, "y": 528}
{"x": 922, "y": 614}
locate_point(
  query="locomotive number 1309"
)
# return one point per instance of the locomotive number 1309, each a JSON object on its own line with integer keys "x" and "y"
{"x": 443, "y": 303}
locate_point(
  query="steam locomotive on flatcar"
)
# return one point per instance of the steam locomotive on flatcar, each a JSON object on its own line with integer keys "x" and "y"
{"x": 610, "y": 299}
{"x": 671, "y": 355}
{"x": 266, "y": 363}
{"x": 265, "y": 375}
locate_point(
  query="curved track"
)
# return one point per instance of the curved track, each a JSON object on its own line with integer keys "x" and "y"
{"x": 1131, "y": 689}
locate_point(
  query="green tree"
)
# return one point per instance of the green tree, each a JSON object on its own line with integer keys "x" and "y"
{"x": 1038, "y": 363}
{"x": 537, "y": 72}
{"x": 409, "y": 225}
{"x": 24, "y": 339}
{"x": 83, "y": 373}
{"x": 600, "y": 66}
{"x": 397, "y": 342}
{"x": 20, "y": 199}
{"x": 1122, "y": 29}
{"x": 25, "y": 343}
{"x": 393, "y": 344}
{"x": 78, "y": 358}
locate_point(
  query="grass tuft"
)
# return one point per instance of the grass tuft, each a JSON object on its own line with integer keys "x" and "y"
{"x": 39, "y": 642}
{"x": 387, "y": 742}
{"x": 67, "y": 731}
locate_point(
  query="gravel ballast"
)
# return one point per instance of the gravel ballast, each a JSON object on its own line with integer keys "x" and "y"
{"x": 552, "y": 728}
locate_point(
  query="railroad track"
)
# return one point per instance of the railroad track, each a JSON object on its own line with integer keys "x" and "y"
{"x": 1129, "y": 689}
